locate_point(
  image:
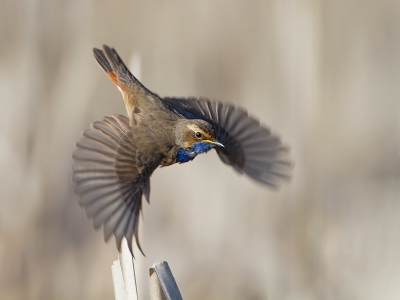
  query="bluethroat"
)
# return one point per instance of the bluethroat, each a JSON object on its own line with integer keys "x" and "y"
{"x": 116, "y": 156}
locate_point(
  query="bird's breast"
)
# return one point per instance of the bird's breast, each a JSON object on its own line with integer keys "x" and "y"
{"x": 188, "y": 154}
{"x": 185, "y": 155}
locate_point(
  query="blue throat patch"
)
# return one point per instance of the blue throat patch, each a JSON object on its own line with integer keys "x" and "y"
{"x": 185, "y": 155}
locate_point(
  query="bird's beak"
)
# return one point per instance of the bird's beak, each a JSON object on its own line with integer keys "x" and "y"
{"x": 214, "y": 143}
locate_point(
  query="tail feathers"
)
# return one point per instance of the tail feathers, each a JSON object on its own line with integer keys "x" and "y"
{"x": 102, "y": 60}
{"x": 114, "y": 67}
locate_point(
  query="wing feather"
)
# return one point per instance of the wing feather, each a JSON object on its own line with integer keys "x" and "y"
{"x": 249, "y": 147}
{"x": 111, "y": 174}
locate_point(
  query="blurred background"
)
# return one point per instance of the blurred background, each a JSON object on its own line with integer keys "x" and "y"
{"x": 325, "y": 75}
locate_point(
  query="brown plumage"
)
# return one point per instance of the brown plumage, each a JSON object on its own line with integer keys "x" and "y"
{"x": 115, "y": 158}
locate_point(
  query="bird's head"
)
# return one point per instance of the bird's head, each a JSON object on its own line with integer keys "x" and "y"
{"x": 190, "y": 132}
{"x": 194, "y": 137}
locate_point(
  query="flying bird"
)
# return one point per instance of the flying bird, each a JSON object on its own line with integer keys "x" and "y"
{"x": 115, "y": 157}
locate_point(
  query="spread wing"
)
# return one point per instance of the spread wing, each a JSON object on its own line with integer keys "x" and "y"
{"x": 249, "y": 147}
{"x": 111, "y": 173}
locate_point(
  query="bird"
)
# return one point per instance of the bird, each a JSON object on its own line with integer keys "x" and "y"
{"x": 115, "y": 158}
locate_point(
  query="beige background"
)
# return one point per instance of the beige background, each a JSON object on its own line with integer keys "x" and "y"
{"x": 325, "y": 75}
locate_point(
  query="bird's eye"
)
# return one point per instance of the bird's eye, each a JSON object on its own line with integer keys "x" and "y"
{"x": 198, "y": 134}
